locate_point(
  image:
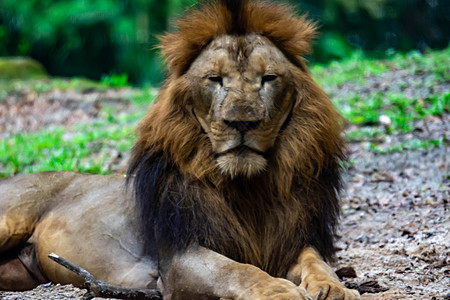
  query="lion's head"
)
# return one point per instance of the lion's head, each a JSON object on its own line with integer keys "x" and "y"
{"x": 236, "y": 82}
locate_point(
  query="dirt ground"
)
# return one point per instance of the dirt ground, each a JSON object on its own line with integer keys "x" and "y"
{"x": 395, "y": 225}
{"x": 395, "y": 222}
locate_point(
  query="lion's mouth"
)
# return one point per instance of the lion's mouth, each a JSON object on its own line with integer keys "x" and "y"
{"x": 240, "y": 150}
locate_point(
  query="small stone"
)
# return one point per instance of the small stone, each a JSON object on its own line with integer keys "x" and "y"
{"x": 346, "y": 272}
{"x": 385, "y": 120}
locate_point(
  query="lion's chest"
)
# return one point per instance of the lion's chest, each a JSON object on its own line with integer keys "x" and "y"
{"x": 265, "y": 234}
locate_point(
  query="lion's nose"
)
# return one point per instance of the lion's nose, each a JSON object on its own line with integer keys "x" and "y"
{"x": 242, "y": 116}
{"x": 242, "y": 126}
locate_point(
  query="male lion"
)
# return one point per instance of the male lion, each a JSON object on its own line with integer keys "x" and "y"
{"x": 234, "y": 177}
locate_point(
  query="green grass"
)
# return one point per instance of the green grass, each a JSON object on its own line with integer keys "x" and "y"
{"x": 47, "y": 84}
{"x": 352, "y": 69}
{"x": 402, "y": 112}
{"x": 414, "y": 144}
{"x": 365, "y": 134}
{"x": 85, "y": 148}
{"x": 43, "y": 85}
{"x": 366, "y": 109}
{"x": 357, "y": 66}
{"x": 115, "y": 80}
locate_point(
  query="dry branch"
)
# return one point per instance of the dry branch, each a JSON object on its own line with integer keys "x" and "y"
{"x": 97, "y": 288}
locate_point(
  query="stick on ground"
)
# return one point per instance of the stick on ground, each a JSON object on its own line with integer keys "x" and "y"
{"x": 97, "y": 288}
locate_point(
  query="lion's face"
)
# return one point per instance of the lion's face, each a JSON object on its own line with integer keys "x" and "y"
{"x": 241, "y": 94}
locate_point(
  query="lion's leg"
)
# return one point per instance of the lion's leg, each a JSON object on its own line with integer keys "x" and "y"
{"x": 202, "y": 273}
{"x": 317, "y": 277}
{"x": 23, "y": 200}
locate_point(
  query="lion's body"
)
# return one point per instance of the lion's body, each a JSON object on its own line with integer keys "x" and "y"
{"x": 235, "y": 173}
{"x": 87, "y": 219}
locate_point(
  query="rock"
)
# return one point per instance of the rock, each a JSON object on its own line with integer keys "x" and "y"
{"x": 20, "y": 68}
{"x": 367, "y": 287}
{"x": 346, "y": 272}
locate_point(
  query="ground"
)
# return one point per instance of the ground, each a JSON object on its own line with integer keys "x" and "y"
{"x": 395, "y": 217}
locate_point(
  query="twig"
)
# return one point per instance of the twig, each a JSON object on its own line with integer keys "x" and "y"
{"x": 97, "y": 288}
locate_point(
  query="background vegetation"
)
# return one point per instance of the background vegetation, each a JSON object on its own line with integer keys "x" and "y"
{"x": 404, "y": 89}
{"x": 97, "y": 38}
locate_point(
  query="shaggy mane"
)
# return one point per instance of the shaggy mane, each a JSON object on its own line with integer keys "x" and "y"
{"x": 291, "y": 34}
{"x": 184, "y": 198}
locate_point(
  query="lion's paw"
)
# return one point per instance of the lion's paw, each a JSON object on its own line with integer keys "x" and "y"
{"x": 329, "y": 289}
{"x": 275, "y": 289}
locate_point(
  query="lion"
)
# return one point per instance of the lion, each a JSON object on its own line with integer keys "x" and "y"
{"x": 233, "y": 186}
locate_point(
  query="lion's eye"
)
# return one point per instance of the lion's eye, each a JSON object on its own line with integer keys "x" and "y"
{"x": 268, "y": 78}
{"x": 217, "y": 79}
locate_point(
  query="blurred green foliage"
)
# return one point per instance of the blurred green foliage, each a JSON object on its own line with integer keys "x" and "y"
{"x": 378, "y": 27}
{"x": 88, "y": 37}
{"x": 115, "y": 80}
{"x": 96, "y": 37}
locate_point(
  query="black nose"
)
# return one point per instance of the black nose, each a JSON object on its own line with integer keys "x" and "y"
{"x": 242, "y": 126}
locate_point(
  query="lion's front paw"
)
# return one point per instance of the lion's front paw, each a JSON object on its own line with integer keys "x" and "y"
{"x": 328, "y": 289}
{"x": 274, "y": 289}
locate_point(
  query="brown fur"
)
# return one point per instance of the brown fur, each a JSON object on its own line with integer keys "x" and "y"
{"x": 275, "y": 21}
{"x": 265, "y": 220}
